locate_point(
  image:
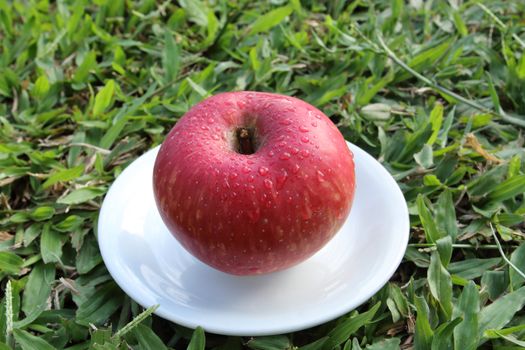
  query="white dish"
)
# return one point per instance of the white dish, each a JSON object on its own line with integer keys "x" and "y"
{"x": 153, "y": 268}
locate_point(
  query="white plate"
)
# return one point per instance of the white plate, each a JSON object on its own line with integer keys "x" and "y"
{"x": 152, "y": 268}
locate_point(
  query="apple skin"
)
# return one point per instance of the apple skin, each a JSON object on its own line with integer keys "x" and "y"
{"x": 248, "y": 214}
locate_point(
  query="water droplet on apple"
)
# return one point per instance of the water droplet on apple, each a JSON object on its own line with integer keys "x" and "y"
{"x": 318, "y": 116}
{"x": 320, "y": 176}
{"x": 295, "y": 168}
{"x": 241, "y": 104}
{"x": 304, "y": 153}
{"x": 268, "y": 184}
{"x": 263, "y": 171}
{"x": 303, "y": 128}
{"x": 245, "y": 170}
{"x": 295, "y": 150}
{"x": 211, "y": 121}
{"x": 233, "y": 175}
{"x": 204, "y": 127}
{"x": 251, "y": 178}
{"x": 285, "y": 156}
{"x": 281, "y": 179}
{"x": 281, "y": 144}
{"x": 305, "y": 139}
{"x": 285, "y": 122}
{"x": 271, "y": 153}
{"x": 314, "y": 124}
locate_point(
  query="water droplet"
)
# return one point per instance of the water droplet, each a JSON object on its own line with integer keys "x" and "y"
{"x": 268, "y": 184}
{"x": 318, "y": 116}
{"x": 304, "y": 153}
{"x": 305, "y": 139}
{"x": 204, "y": 127}
{"x": 233, "y": 175}
{"x": 285, "y": 156}
{"x": 241, "y": 104}
{"x": 211, "y": 121}
{"x": 245, "y": 170}
{"x": 295, "y": 150}
{"x": 314, "y": 124}
{"x": 320, "y": 176}
{"x": 296, "y": 168}
{"x": 282, "y": 144}
{"x": 251, "y": 178}
{"x": 249, "y": 161}
{"x": 263, "y": 171}
{"x": 271, "y": 153}
{"x": 303, "y": 128}
{"x": 281, "y": 179}
{"x": 285, "y": 122}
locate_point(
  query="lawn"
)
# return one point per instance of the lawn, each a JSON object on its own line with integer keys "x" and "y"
{"x": 434, "y": 90}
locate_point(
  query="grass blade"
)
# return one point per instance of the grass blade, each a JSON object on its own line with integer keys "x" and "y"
{"x": 198, "y": 340}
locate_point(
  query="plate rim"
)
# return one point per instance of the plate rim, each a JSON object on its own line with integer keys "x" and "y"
{"x": 352, "y": 304}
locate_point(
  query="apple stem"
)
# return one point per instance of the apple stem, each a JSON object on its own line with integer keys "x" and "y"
{"x": 245, "y": 138}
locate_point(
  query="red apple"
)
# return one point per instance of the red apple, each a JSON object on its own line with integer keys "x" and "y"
{"x": 252, "y": 182}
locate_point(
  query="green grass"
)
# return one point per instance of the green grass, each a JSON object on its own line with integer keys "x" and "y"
{"x": 435, "y": 92}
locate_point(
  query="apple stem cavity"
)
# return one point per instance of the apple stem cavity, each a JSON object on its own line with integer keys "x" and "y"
{"x": 245, "y": 140}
